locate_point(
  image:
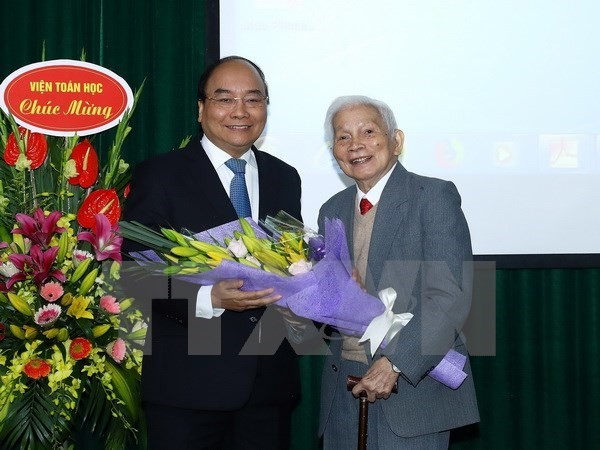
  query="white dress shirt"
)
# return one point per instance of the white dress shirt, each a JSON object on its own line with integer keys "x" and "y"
{"x": 375, "y": 192}
{"x": 218, "y": 157}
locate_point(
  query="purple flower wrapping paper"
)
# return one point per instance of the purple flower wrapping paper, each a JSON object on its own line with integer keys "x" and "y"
{"x": 327, "y": 294}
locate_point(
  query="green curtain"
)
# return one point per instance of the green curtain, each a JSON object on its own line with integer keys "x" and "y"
{"x": 161, "y": 42}
{"x": 305, "y": 420}
{"x": 539, "y": 392}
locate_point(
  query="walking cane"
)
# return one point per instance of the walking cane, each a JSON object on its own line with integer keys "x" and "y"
{"x": 363, "y": 411}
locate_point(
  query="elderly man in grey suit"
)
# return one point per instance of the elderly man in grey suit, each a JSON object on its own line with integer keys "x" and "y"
{"x": 406, "y": 232}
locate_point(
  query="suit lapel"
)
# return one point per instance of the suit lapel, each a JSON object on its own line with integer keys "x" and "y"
{"x": 265, "y": 187}
{"x": 392, "y": 211}
{"x": 209, "y": 185}
{"x": 345, "y": 212}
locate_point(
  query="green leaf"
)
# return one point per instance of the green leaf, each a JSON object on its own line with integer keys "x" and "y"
{"x": 94, "y": 410}
{"x": 86, "y": 326}
{"x": 30, "y": 422}
{"x": 110, "y": 170}
{"x": 124, "y": 384}
{"x": 142, "y": 234}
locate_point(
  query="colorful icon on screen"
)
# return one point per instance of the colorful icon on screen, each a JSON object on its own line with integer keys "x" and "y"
{"x": 562, "y": 151}
{"x": 449, "y": 153}
{"x": 505, "y": 153}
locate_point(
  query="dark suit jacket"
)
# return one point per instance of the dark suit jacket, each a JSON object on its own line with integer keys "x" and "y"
{"x": 419, "y": 246}
{"x": 181, "y": 189}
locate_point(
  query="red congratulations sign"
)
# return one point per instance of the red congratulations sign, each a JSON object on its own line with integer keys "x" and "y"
{"x": 65, "y": 97}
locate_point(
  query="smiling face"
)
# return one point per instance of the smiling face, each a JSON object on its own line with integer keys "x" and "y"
{"x": 363, "y": 147}
{"x": 233, "y": 130}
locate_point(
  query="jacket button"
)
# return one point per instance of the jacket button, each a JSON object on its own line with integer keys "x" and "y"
{"x": 334, "y": 367}
{"x": 253, "y": 319}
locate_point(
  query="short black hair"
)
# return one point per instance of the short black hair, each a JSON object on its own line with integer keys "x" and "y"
{"x": 211, "y": 68}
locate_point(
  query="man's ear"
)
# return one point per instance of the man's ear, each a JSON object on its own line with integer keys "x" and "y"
{"x": 200, "y": 109}
{"x": 399, "y": 139}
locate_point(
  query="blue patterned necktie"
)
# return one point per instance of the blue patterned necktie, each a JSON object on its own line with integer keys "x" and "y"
{"x": 238, "y": 191}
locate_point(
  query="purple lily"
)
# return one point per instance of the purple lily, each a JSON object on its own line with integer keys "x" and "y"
{"x": 105, "y": 239}
{"x": 316, "y": 248}
{"x": 37, "y": 227}
{"x": 36, "y": 265}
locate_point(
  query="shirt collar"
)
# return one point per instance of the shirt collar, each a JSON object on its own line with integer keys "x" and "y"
{"x": 375, "y": 192}
{"x": 218, "y": 157}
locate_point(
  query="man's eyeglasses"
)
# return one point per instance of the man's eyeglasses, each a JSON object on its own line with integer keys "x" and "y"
{"x": 251, "y": 101}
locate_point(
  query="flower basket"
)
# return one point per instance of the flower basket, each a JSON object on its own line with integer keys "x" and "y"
{"x": 70, "y": 341}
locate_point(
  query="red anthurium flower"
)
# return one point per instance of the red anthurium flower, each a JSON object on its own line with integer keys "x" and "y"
{"x": 101, "y": 201}
{"x": 86, "y": 164}
{"x": 36, "y": 265}
{"x": 36, "y": 148}
{"x": 105, "y": 239}
{"x": 36, "y": 368}
{"x": 80, "y": 348}
{"x": 39, "y": 228}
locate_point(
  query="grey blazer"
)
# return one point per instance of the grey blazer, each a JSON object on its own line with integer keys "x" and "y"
{"x": 421, "y": 247}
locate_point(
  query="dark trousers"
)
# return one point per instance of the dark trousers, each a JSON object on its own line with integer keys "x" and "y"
{"x": 253, "y": 427}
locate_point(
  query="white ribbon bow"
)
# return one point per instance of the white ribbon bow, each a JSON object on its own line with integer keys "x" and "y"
{"x": 386, "y": 325}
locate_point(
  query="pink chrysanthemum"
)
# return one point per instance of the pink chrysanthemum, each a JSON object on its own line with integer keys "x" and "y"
{"x": 52, "y": 291}
{"x": 47, "y": 315}
{"x": 110, "y": 304}
{"x": 116, "y": 350}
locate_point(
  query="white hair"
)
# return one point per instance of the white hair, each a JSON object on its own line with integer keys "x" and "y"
{"x": 347, "y": 101}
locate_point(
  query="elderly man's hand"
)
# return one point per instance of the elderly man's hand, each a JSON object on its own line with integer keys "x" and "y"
{"x": 378, "y": 382}
{"x": 226, "y": 294}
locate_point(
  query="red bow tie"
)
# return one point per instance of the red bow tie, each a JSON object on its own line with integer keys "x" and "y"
{"x": 365, "y": 206}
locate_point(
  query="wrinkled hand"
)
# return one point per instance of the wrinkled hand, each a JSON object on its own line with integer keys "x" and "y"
{"x": 227, "y": 294}
{"x": 378, "y": 382}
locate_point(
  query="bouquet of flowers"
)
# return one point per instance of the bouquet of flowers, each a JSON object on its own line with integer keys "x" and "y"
{"x": 70, "y": 341}
{"x": 312, "y": 273}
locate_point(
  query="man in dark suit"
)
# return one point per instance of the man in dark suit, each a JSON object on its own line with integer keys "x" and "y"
{"x": 406, "y": 232}
{"x": 217, "y": 397}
